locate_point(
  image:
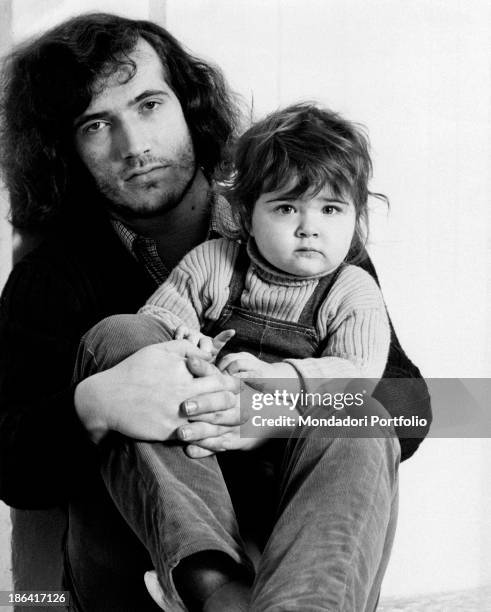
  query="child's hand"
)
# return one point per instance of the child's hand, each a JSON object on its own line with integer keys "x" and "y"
{"x": 211, "y": 345}
{"x": 246, "y": 365}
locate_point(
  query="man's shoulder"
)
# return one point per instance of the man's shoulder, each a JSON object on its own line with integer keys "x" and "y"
{"x": 93, "y": 269}
{"x": 82, "y": 247}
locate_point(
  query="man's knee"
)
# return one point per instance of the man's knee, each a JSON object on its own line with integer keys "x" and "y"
{"x": 114, "y": 339}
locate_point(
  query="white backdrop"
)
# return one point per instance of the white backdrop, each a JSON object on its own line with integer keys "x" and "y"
{"x": 417, "y": 74}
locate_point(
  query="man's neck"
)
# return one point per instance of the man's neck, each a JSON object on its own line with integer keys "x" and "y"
{"x": 179, "y": 230}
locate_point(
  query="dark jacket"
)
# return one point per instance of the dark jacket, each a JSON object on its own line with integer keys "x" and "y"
{"x": 52, "y": 297}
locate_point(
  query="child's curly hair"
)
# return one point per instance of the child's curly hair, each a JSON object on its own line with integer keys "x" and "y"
{"x": 301, "y": 149}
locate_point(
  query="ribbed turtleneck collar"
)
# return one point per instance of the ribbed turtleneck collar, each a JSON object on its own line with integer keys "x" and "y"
{"x": 271, "y": 274}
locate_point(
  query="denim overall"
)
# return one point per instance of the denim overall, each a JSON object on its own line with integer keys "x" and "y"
{"x": 255, "y": 475}
{"x": 266, "y": 337}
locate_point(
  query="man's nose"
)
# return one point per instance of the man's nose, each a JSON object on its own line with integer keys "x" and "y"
{"x": 133, "y": 140}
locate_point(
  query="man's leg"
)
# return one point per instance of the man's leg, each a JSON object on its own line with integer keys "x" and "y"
{"x": 332, "y": 539}
{"x": 178, "y": 507}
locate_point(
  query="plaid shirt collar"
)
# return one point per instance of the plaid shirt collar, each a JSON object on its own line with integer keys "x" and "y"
{"x": 145, "y": 251}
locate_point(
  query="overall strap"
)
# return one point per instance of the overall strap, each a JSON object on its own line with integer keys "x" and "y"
{"x": 308, "y": 315}
{"x": 237, "y": 282}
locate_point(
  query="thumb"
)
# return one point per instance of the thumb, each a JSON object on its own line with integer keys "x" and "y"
{"x": 221, "y": 339}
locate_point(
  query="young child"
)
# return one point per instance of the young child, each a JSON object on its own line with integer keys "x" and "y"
{"x": 298, "y": 308}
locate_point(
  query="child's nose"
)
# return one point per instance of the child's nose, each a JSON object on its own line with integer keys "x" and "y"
{"x": 307, "y": 229}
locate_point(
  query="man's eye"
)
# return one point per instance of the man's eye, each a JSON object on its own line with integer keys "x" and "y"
{"x": 96, "y": 126}
{"x": 150, "y": 105}
{"x": 285, "y": 209}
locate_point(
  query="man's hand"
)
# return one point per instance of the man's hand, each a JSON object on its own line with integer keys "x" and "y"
{"x": 215, "y": 419}
{"x": 141, "y": 396}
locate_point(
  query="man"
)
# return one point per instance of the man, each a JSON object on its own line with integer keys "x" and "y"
{"x": 112, "y": 135}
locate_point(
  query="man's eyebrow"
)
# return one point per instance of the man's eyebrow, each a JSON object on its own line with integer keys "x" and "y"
{"x": 148, "y": 93}
{"x": 103, "y": 114}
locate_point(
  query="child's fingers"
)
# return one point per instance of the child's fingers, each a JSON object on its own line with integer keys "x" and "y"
{"x": 181, "y": 333}
{"x": 228, "y": 359}
{"x": 240, "y": 366}
{"x": 205, "y": 343}
{"x": 184, "y": 333}
{"x": 221, "y": 339}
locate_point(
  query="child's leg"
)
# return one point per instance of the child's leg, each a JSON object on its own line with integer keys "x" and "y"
{"x": 114, "y": 339}
{"x": 337, "y": 515}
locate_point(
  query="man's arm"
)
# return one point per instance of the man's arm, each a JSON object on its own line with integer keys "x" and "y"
{"x": 42, "y": 442}
{"x": 402, "y": 390}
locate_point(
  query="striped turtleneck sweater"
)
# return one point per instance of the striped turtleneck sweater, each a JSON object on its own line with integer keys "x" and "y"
{"x": 352, "y": 317}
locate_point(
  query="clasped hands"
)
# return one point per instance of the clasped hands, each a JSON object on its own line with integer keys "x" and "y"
{"x": 214, "y": 425}
{"x": 174, "y": 390}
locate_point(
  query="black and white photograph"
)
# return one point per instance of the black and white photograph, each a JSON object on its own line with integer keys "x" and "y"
{"x": 245, "y": 312}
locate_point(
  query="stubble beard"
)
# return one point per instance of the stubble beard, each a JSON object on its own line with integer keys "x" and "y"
{"x": 155, "y": 198}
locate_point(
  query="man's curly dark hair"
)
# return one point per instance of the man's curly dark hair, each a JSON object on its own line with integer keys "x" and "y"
{"x": 47, "y": 82}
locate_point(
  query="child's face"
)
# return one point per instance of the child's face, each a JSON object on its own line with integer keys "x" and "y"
{"x": 304, "y": 236}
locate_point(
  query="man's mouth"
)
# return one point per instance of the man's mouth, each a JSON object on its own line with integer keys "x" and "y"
{"x": 143, "y": 174}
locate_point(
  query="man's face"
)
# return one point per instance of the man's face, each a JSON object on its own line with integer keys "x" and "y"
{"x": 134, "y": 140}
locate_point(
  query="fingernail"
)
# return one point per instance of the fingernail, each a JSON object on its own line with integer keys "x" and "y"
{"x": 190, "y": 408}
{"x": 185, "y": 433}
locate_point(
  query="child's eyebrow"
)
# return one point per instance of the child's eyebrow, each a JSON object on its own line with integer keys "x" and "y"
{"x": 334, "y": 201}
{"x": 293, "y": 198}
{"x": 280, "y": 198}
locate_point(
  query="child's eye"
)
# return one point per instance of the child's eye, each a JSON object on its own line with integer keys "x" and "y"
{"x": 330, "y": 210}
{"x": 285, "y": 209}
